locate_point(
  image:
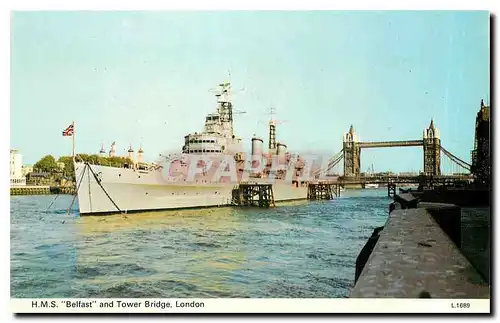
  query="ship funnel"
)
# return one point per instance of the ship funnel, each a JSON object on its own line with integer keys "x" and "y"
{"x": 281, "y": 151}
{"x": 257, "y": 144}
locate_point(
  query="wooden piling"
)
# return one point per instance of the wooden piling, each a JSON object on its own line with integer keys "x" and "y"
{"x": 254, "y": 194}
{"x": 322, "y": 191}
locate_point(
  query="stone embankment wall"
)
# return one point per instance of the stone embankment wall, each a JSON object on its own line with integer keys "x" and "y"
{"x": 425, "y": 249}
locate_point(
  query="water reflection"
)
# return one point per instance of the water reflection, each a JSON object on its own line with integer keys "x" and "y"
{"x": 157, "y": 248}
{"x": 210, "y": 218}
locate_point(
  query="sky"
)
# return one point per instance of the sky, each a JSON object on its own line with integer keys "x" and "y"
{"x": 143, "y": 78}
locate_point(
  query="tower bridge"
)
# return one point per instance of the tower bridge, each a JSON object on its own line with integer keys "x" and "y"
{"x": 430, "y": 142}
{"x": 383, "y": 144}
{"x": 439, "y": 164}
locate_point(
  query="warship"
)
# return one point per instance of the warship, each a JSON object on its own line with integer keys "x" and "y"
{"x": 193, "y": 177}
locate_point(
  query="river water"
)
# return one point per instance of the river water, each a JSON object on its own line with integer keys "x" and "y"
{"x": 304, "y": 249}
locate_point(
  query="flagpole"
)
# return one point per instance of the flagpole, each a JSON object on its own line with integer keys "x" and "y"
{"x": 73, "y": 140}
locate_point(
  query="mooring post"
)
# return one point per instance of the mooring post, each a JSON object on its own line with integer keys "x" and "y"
{"x": 391, "y": 189}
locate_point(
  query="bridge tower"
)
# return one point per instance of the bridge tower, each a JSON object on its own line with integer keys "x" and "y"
{"x": 351, "y": 153}
{"x": 481, "y": 154}
{"x": 432, "y": 150}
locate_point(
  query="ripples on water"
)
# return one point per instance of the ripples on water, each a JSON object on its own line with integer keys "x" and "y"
{"x": 299, "y": 249}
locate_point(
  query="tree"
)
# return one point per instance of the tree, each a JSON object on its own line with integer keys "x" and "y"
{"x": 46, "y": 164}
{"x": 69, "y": 168}
{"x": 115, "y": 161}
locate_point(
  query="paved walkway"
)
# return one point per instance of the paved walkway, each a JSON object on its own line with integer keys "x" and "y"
{"x": 414, "y": 256}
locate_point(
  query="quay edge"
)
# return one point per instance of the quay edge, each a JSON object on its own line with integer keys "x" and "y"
{"x": 425, "y": 248}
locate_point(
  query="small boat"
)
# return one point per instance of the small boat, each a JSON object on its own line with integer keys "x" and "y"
{"x": 371, "y": 172}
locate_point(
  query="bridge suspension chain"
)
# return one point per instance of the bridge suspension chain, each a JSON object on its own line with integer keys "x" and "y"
{"x": 456, "y": 160}
{"x": 452, "y": 165}
{"x": 447, "y": 166}
{"x": 334, "y": 161}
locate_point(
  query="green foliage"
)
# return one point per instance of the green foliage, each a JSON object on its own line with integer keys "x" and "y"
{"x": 46, "y": 164}
{"x": 105, "y": 161}
{"x": 69, "y": 168}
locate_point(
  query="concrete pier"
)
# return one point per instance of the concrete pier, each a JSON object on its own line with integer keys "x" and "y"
{"x": 413, "y": 255}
{"x": 427, "y": 248}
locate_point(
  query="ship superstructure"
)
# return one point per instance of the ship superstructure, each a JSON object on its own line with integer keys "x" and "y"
{"x": 218, "y": 133}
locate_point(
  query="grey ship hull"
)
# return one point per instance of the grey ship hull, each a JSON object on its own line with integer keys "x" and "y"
{"x": 106, "y": 190}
